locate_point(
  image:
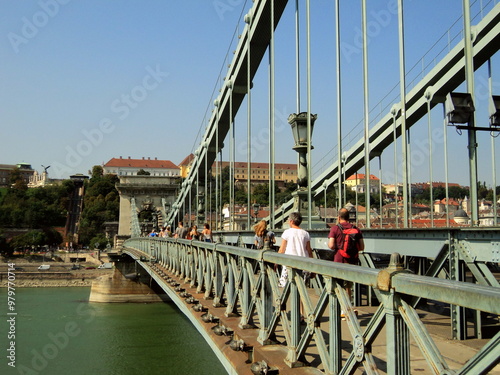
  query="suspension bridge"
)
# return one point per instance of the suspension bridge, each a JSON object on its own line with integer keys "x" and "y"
{"x": 446, "y": 266}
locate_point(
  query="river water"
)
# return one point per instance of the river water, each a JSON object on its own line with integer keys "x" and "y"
{"x": 58, "y": 332}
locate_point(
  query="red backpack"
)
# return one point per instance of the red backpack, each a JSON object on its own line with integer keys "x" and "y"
{"x": 350, "y": 241}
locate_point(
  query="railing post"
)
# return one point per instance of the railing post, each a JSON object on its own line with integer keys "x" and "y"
{"x": 398, "y": 343}
{"x": 291, "y": 359}
{"x": 246, "y": 296}
{"x": 397, "y": 335}
{"x": 266, "y": 305}
{"x": 219, "y": 280}
{"x": 335, "y": 357}
{"x": 458, "y": 318}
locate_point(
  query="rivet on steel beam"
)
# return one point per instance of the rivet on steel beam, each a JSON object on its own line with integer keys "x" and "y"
{"x": 259, "y": 368}
{"x": 237, "y": 345}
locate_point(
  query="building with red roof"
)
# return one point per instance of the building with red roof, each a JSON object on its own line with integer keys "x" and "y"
{"x": 129, "y": 167}
{"x": 356, "y": 182}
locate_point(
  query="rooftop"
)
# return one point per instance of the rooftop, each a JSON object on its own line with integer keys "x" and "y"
{"x": 140, "y": 163}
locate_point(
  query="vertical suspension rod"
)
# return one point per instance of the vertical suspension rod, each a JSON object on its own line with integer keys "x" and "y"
{"x": 366, "y": 114}
{"x": 429, "y": 135}
{"x": 249, "y": 126}
{"x": 217, "y": 166}
{"x": 402, "y": 89}
{"x": 309, "y": 164}
{"x": 472, "y": 143}
{"x": 297, "y": 56}
{"x": 339, "y": 103}
{"x": 231, "y": 159}
{"x": 271, "y": 121}
{"x": 493, "y": 162}
{"x": 445, "y": 130}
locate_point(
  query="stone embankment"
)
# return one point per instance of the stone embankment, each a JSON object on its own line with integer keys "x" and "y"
{"x": 26, "y": 274}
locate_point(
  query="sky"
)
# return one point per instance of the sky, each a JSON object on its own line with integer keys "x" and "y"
{"x": 86, "y": 81}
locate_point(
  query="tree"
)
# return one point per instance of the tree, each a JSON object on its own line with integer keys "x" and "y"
{"x": 101, "y": 203}
{"x": 37, "y": 238}
{"x": 99, "y": 242}
{"x": 4, "y": 246}
{"x": 142, "y": 172}
{"x": 35, "y": 207}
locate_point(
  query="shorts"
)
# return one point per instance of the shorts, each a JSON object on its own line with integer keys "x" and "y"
{"x": 338, "y": 258}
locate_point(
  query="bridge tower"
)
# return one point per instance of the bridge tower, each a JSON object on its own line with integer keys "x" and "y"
{"x": 154, "y": 194}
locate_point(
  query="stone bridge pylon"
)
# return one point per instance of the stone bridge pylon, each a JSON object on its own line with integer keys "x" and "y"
{"x": 144, "y": 203}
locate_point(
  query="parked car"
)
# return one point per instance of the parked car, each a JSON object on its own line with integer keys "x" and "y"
{"x": 106, "y": 266}
{"x": 44, "y": 267}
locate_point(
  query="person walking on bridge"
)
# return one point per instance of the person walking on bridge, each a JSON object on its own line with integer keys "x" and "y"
{"x": 181, "y": 231}
{"x": 262, "y": 234}
{"x": 338, "y": 242}
{"x": 294, "y": 241}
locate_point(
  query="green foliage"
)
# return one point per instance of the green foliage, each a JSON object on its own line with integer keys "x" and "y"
{"x": 454, "y": 192}
{"x": 4, "y": 246}
{"x": 142, "y": 172}
{"x": 101, "y": 203}
{"x": 3, "y": 193}
{"x": 37, "y": 238}
{"x": 98, "y": 242}
{"x": 35, "y": 208}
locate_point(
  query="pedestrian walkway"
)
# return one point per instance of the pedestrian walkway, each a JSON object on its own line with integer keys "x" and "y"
{"x": 222, "y": 330}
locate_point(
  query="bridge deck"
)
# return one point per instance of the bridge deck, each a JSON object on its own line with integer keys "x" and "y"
{"x": 456, "y": 353}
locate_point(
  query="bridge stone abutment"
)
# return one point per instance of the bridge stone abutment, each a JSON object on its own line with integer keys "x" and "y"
{"x": 128, "y": 283}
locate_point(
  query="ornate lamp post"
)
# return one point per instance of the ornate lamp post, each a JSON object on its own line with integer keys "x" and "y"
{"x": 255, "y": 211}
{"x": 298, "y": 123}
{"x": 201, "y": 208}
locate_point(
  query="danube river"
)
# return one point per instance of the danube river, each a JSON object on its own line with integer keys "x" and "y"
{"x": 58, "y": 332}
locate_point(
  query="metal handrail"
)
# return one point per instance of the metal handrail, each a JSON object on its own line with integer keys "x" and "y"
{"x": 246, "y": 282}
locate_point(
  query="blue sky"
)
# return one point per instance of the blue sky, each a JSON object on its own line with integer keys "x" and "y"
{"x": 85, "y": 81}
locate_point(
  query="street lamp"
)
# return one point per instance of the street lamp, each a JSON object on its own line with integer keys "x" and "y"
{"x": 255, "y": 211}
{"x": 459, "y": 108}
{"x": 495, "y": 111}
{"x": 201, "y": 208}
{"x": 298, "y": 122}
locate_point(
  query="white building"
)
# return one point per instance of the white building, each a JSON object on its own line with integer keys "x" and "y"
{"x": 130, "y": 167}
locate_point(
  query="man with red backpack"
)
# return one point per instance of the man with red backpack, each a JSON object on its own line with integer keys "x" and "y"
{"x": 346, "y": 240}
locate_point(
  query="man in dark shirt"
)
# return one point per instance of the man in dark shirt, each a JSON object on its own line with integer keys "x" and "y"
{"x": 336, "y": 238}
{"x": 336, "y": 242}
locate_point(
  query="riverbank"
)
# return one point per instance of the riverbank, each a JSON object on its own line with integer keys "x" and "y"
{"x": 27, "y": 275}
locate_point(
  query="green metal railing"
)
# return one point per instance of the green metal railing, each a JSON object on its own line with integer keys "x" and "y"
{"x": 246, "y": 282}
